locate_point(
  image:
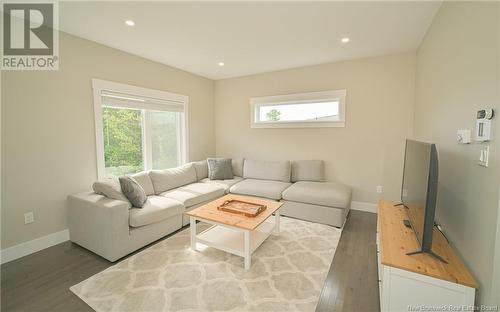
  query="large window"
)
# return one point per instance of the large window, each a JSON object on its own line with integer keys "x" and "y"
{"x": 138, "y": 129}
{"x": 314, "y": 109}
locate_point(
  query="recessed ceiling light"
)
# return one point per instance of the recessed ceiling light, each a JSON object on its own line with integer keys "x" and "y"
{"x": 221, "y": 64}
{"x": 129, "y": 23}
{"x": 345, "y": 40}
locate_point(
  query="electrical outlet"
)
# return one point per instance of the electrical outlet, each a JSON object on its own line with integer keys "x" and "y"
{"x": 380, "y": 189}
{"x": 29, "y": 217}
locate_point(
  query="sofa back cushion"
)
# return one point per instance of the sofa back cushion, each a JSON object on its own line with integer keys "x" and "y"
{"x": 164, "y": 180}
{"x": 308, "y": 170}
{"x": 201, "y": 168}
{"x": 109, "y": 187}
{"x": 237, "y": 164}
{"x": 143, "y": 179}
{"x": 267, "y": 170}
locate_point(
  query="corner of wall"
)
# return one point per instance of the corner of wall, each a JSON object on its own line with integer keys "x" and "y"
{"x": 449, "y": 73}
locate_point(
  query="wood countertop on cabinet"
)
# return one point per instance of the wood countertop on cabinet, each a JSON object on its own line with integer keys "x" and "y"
{"x": 396, "y": 240}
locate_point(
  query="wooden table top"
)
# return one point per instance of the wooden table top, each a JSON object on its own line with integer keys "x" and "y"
{"x": 210, "y": 212}
{"x": 396, "y": 240}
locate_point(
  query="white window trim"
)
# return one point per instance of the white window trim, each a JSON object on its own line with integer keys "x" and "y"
{"x": 102, "y": 85}
{"x": 337, "y": 95}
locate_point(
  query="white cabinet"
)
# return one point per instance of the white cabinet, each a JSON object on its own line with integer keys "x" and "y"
{"x": 403, "y": 289}
{"x": 400, "y": 290}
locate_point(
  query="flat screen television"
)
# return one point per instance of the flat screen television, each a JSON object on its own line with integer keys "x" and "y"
{"x": 419, "y": 191}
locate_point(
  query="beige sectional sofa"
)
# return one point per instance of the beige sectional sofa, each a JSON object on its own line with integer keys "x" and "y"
{"x": 113, "y": 228}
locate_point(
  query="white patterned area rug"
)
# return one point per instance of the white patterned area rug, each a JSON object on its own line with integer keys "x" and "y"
{"x": 287, "y": 274}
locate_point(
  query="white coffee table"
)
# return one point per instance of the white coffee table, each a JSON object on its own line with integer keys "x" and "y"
{"x": 235, "y": 233}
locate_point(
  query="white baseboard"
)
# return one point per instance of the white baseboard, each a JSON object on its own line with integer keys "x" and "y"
{"x": 32, "y": 246}
{"x": 364, "y": 206}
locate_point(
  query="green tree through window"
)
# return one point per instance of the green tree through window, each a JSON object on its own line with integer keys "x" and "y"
{"x": 273, "y": 115}
{"x": 122, "y": 140}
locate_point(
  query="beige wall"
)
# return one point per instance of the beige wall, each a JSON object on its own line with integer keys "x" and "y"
{"x": 495, "y": 283}
{"x": 48, "y": 140}
{"x": 457, "y": 68}
{"x": 495, "y": 287}
{"x": 366, "y": 153}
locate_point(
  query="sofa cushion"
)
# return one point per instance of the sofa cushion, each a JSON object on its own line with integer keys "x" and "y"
{"x": 237, "y": 164}
{"x": 219, "y": 168}
{"x": 164, "y": 180}
{"x": 260, "y": 188}
{"x": 267, "y": 170}
{"x": 328, "y": 194}
{"x": 225, "y": 184}
{"x": 194, "y": 193}
{"x": 133, "y": 191}
{"x": 144, "y": 181}
{"x": 156, "y": 208}
{"x": 201, "y": 168}
{"x": 308, "y": 170}
{"x": 109, "y": 187}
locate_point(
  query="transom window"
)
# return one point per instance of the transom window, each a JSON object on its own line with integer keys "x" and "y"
{"x": 314, "y": 109}
{"x": 138, "y": 129}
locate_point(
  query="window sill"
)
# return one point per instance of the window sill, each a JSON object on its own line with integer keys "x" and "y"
{"x": 335, "y": 124}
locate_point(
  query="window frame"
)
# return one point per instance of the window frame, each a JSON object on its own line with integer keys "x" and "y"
{"x": 100, "y": 86}
{"x": 298, "y": 98}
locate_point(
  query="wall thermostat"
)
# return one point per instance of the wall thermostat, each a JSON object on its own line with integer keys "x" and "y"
{"x": 483, "y": 124}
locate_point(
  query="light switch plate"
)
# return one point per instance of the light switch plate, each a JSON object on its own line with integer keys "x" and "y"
{"x": 484, "y": 155}
{"x": 29, "y": 217}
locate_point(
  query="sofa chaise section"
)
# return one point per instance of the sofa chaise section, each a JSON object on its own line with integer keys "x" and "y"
{"x": 322, "y": 202}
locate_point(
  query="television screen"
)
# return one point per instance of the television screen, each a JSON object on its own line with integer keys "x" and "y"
{"x": 419, "y": 189}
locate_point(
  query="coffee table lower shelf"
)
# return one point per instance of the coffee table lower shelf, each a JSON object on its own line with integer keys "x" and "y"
{"x": 233, "y": 240}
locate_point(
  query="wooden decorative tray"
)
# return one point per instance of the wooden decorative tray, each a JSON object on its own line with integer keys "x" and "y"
{"x": 242, "y": 207}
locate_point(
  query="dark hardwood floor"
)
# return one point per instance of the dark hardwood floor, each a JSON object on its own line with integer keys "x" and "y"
{"x": 352, "y": 282}
{"x": 41, "y": 281}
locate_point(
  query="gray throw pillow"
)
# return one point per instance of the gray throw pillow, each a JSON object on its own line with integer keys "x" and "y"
{"x": 133, "y": 191}
{"x": 219, "y": 168}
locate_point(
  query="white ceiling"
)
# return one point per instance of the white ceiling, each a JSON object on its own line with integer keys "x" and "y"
{"x": 250, "y": 37}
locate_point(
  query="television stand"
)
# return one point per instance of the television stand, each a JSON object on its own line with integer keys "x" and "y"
{"x": 430, "y": 252}
{"x": 400, "y": 204}
{"x": 417, "y": 280}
